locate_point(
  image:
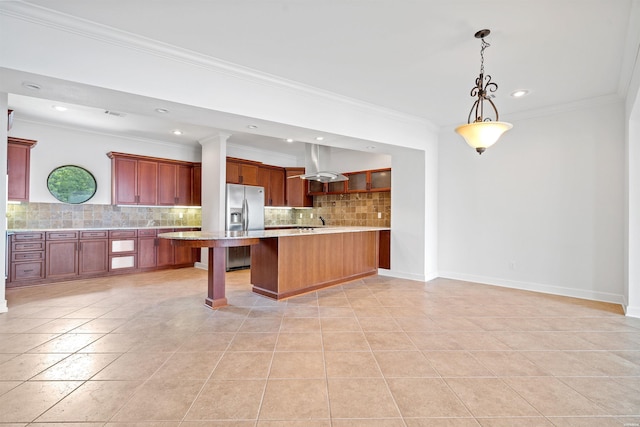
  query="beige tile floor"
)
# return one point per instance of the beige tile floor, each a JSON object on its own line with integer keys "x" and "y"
{"x": 144, "y": 350}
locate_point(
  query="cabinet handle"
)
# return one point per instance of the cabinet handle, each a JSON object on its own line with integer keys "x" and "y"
{"x": 156, "y": 242}
{"x": 80, "y": 247}
{"x": 27, "y": 271}
{"x": 137, "y": 198}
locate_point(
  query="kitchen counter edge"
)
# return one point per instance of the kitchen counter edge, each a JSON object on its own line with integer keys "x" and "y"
{"x": 263, "y": 234}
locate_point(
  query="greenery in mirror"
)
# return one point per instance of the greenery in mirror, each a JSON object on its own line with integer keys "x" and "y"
{"x": 71, "y": 184}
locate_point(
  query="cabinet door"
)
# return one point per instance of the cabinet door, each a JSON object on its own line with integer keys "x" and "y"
{"x": 380, "y": 180}
{"x": 357, "y": 182}
{"x": 316, "y": 187}
{"x": 184, "y": 185}
{"x": 296, "y": 189}
{"x": 124, "y": 185}
{"x": 249, "y": 174}
{"x": 164, "y": 250}
{"x": 196, "y": 196}
{"x": 62, "y": 258}
{"x": 276, "y": 187}
{"x": 337, "y": 187}
{"x": 147, "y": 252}
{"x": 233, "y": 172}
{"x": 147, "y": 178}
{"x": 18, "y": 156}
{"x": 93, "y": 256}
{"x": 167, "y": 181}
{"x": 263, "y": 181}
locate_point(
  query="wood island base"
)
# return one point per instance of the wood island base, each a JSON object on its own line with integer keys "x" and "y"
{"x": 287, "y": 263}
{"x": 282, "y": 267}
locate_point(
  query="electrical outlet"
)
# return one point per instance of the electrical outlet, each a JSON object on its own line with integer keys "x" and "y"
{"x": 311, "y": 216}
{"x": 180, "y": 215}
{"x": 300, "y": 215}
{"x": 379, "y": 215}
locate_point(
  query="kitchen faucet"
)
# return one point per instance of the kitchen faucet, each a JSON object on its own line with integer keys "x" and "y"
{"x": 321, "y": 219}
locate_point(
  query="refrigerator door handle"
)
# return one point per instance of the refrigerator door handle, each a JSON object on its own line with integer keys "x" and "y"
{"x": 245, "y": 215}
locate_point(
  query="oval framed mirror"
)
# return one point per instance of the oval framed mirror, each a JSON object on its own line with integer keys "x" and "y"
{"x": 71, "y": 184}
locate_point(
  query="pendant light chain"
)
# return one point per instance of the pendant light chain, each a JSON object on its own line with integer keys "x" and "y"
{"x": 483, "y": 45}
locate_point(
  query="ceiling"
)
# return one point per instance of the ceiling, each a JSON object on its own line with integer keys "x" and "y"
{"x": 415, "y": 57}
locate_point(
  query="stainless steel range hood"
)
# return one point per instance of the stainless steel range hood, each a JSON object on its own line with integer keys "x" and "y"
{"x": 315, "y": 155}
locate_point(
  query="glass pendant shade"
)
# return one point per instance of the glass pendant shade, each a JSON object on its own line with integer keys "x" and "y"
{"x": 482, "y": 135}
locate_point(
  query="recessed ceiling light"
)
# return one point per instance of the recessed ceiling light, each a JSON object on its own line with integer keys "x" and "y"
{"x": 59, "y": 108}
{"x": 31, "y": 85}
{"x": 289, "y": 140}
{"x": 177, "y": 132}
{"x": 319, "y": 138}
{"x": 519, "y": 93}
{"x": 252, "y": 127}
{"x": 161, "y": 110}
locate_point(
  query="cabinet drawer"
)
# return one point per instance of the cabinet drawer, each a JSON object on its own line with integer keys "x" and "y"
{"x": 28, "y": 246}
{"x": 28, "y": 236}
{"x": 27, "y": 256}
{"x": 24, "y": 271}
{"x": 122, "y": 262}
{"x": 122, "y": 246}
{"x": 62, "y": 235}
{"x": 122, "y": 233}
{"x": 94, "y": 234}
{"x": 147, "y": 232}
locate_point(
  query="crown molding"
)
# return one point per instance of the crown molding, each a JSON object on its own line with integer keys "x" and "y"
{"x": 191, "y": 145}
{"x": 556, "y": 109}
{"x": 88, "y": 29}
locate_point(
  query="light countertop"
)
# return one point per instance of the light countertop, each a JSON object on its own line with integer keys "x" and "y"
{"x": 263, "y": 234}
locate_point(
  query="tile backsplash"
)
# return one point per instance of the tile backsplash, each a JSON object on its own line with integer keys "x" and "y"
{"x": 352, "y": 209}
{"x": 60, "y": 215}
{"x": 355, "y": 209}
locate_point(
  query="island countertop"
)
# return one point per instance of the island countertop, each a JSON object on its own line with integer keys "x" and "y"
{"x": 263, "y": 234}
{"x": 287, "y": 262}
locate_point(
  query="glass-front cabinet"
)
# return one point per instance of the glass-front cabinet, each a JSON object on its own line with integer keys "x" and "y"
{"x": 373, "y": 180}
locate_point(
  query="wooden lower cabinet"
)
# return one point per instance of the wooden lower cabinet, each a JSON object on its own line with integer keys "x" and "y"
{"x": 53, "y": 256}
{"x": 147, "y": 242}
{"x": 93, "y": 249}
{"x": 26, "y": 258}
{"x": 282, "y": 267}
{"x": 61, "y": 254}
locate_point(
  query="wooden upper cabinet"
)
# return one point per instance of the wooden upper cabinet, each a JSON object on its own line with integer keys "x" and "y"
{"x": 139, "y": 180}
{"x": 272, "y": 179}
{"x": 174, "y": 184}
{"x": 242, "y": 172}
{"x": 18, "y": 168}
{"x": 147, "y": 180}
{"x": 134, "y": 181}
{"x": 196, "y": 195}
{"x": 369, "y": 181}
{"x": 296, "y": 189}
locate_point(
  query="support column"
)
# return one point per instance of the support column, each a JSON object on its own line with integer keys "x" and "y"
{"x": 214, "y": 177}
{"x": 632, "y": 217}
{"x": 4, "y": 102}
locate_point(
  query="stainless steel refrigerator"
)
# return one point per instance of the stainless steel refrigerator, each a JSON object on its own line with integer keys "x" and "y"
{"x": 244, "y": 211}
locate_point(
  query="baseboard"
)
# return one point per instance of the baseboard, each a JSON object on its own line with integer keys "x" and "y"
{"x": 537, "y": 287}
{"x": 201, "y": 265}
{"x": 401, "y": 275}
{"x": 632, "y": 311}
{"x": 3, "y": 306}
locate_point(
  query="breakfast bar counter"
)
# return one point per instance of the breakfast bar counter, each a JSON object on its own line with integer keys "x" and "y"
{"x": 288, "y": 262}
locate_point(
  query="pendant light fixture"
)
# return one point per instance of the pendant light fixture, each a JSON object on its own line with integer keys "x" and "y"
{"x": 482, "y": 132}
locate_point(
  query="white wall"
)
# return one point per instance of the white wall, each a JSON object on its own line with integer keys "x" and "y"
{"x": 59, "y": 146}
{"x": 3, "y": 195}
{"x": 542, "y": 209}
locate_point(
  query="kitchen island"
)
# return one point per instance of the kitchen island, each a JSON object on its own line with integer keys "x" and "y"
{"x": 288, "y": 262}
